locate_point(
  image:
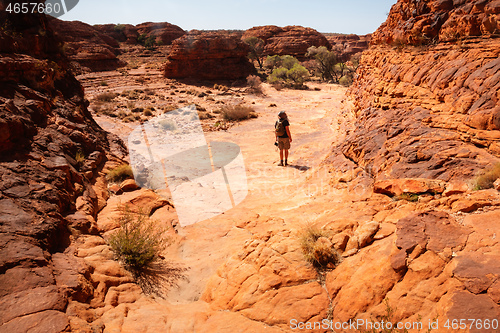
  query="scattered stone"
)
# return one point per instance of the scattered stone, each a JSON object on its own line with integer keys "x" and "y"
{"x": 496, "y": 184}
{"x": 395, "y": 187}
{"x": 455, "y": 187}
{"x": 129, "y": 185}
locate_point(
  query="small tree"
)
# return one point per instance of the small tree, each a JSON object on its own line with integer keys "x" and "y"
{"x": 326, "y": 62}
{"x": 256, "y": 50}
{"x": 298, "y": 74}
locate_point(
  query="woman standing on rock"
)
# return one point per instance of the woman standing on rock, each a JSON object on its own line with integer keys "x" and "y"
{"x": 283, "y": 136}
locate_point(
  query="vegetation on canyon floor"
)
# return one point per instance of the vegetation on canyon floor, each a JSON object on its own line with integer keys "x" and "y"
{"x": 486, "y": 179}
{"x": 120, "y": 173}
{"x": 139, "y": 242}
{"x": 318, "y": 249}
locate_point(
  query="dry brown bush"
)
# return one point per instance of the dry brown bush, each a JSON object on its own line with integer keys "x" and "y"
{"x": 237, "y": 112}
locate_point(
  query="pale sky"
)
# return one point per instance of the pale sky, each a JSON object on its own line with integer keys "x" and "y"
{"x": 354, "y": 16}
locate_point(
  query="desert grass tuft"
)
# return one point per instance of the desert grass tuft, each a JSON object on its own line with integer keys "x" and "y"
{"x": 486, "y": 179}
{"x": 120, "y": 173}
{"x": 317, "y": 248}
{"x": 237, "y": 112}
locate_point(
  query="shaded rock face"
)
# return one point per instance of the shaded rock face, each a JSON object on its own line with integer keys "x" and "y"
{"x": 88, "y": 47}
{"x": 419, "y": 22}
{"x": 427, "y": 112}
{"x": 349, "y": 45}
{"x": 44, "y": 123}
{"x": 210, "y": 56}
{"x": 289, "y": 40}
{"x": 124, "y": 33}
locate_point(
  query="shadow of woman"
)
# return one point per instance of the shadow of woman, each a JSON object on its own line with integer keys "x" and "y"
{"x": 299, "y": 167}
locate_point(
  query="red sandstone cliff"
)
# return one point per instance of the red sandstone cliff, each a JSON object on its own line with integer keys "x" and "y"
{"x": 420, "y": 22}
{"x": 429, "y": 111}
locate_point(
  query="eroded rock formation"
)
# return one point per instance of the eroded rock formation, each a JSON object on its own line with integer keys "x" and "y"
{"x": 349, "y": 45}
{"x": 208, "y": 55}
{"x": 420, "y": 22}
{"x": 127, "y": 33}
{"x": 289, "y": 40}
{"x": 428, "y": 111}
{"x": 86, "y": 46}
{"x": 164, "y": 32}
{"x": 45, "y": 192}
{"x": 425, "y": 123}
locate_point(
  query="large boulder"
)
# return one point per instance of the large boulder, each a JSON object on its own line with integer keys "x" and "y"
{"x": 210, "y": 56}
{"x": 289, "y": 40}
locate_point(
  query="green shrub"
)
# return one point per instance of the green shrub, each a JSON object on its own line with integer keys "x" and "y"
{"x": 120, "y": 173}
{"x": 138, "y": 242}
{"x": 273, "y": 62}
{"x": 317, "y": 248}
{"x": 289, "y": 61}
{"x": 298, "y": 74}
{"x": 294, "y": 76}
{"x": 486, "y": 179}
{"x": 119, "y": 28}
{"x": 411, "y": 197}
{"x": 346, "y": 80}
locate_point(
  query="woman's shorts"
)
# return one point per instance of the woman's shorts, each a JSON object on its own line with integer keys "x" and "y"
{"x": 283, "y": 143}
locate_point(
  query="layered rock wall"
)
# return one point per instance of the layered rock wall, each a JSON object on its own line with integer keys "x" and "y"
{"x": 420, "y": 22}
{"x": 86, "y": 46}
{"x": 46, "y": 196}
{"x": 428, "y": 111}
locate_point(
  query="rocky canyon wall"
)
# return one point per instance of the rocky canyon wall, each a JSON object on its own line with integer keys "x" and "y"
{"x": 46, "y": 195}
{"x": 429, "y": 107}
